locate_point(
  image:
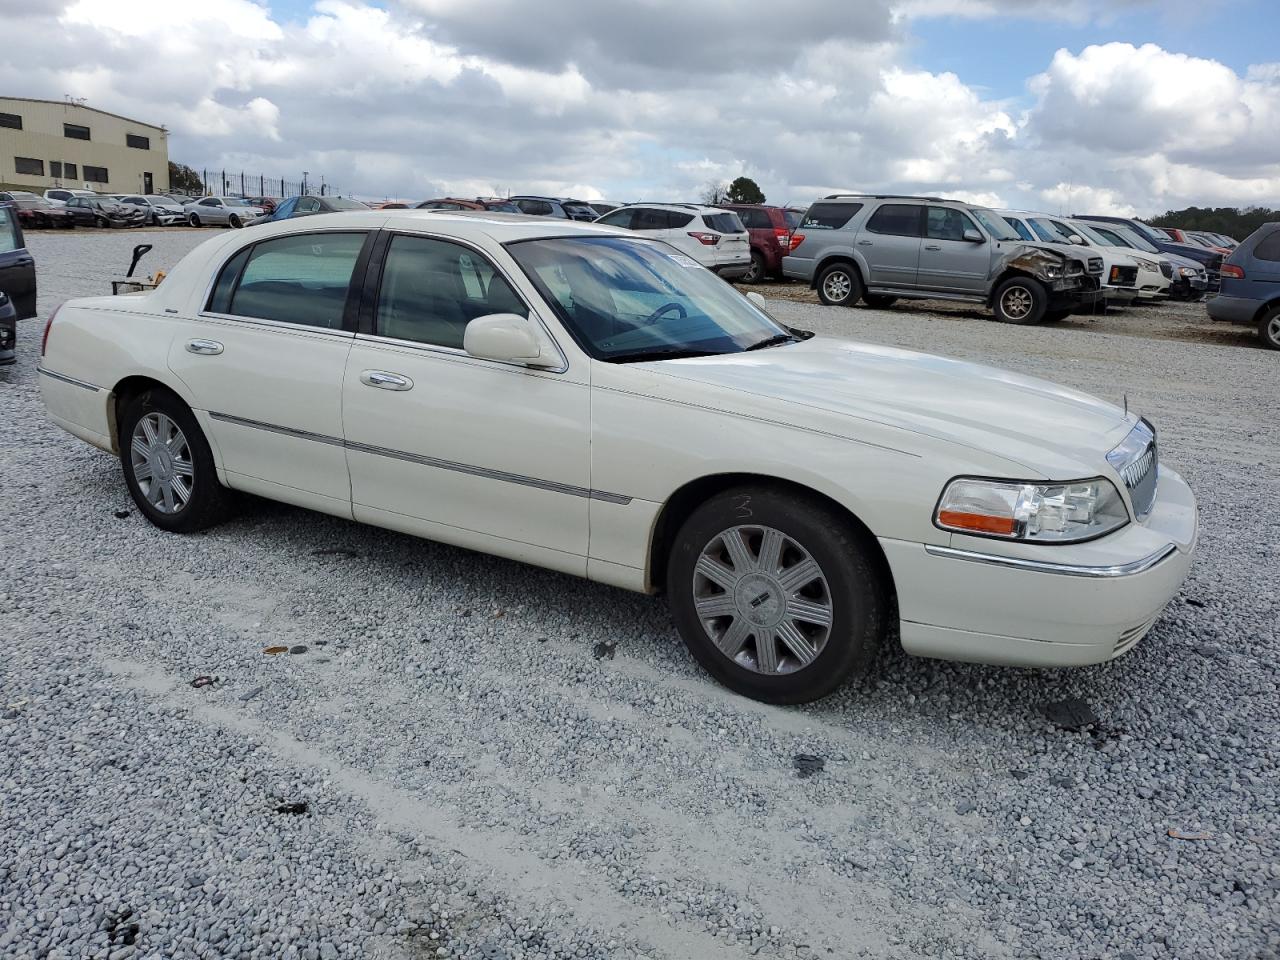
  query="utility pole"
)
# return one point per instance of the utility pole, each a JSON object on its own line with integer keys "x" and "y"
{"x": 305, "y": 174}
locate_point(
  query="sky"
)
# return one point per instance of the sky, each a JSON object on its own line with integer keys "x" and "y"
{"x": 1089, "y": 106}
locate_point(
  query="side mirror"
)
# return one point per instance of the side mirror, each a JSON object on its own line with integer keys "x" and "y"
{"x": 973, "y": 236}
{"x": 1076, "y": 239}
{"x": 756, "y": 298}
{"x": 506, "y": 337}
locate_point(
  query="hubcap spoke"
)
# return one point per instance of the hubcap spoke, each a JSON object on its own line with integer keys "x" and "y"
{"x": 810, "y": 611}
{"x": 721, "y": 605}
{"x": 161, "y": 460}
{"x": 715, "y": 571}
{"x": 797, "y": 642}
{"x": 770, "y": 551}
{"x": 739, "y": 555}
{"x": 730, "y": 642}
{"x": 801, "y": 575}
{"x": 766, "y": 651}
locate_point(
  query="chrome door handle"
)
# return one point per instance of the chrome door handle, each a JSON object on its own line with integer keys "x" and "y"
{"x": 208, "y": 348}
{"x": 385, "y": 381}
{"x": 866, "y": 243}
{"x": 932, "y": 246}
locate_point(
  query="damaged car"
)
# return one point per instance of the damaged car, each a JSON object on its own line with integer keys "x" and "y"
{"x": 879, "y": 249}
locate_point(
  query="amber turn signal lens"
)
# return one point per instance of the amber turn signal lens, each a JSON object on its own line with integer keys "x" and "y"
{"x": 979, "y": 523}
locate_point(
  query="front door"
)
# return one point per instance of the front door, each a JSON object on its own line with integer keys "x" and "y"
{"x": 17, "y": 266}
{"x": 949, "y": 262}
{"x": 446, "y": 445}
{"x": 890, "y": 245}
{"x": 264, "y": 361}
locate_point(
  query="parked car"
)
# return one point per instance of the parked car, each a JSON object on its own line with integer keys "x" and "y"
{"x": 1118, "y": 276}
{"x": 556, "y": 207}
{"x": 602, "y": 208}
{"x": 587, "y": 400}
{"x": 159, "y": 211}
{"x": 221, "y": 211}
{"x": 712, "y": 236}
{"x": 308, "y": 206}
{"x": 1209, "y": 243}
{"x": 770, "y": 231}
{"x": 62, "y": 194}
{"x": 1209, "y": 260}
{"x": 1250, "y": 292}
{"x": 392, "y": 205}
{"x": 268, "y": 204}
{"x": 35, "y": 212}
{"x": 498, "y": 205}
{"x": 98, "y": 211}
{"x": 1154, "y": 270}
{"x": 1188, "y": 279}
{"x": 17, "y": 281}
{"x": 853, "y": 247}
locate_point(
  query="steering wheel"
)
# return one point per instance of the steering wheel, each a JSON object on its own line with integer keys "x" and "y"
{"x": 653, "y": 317}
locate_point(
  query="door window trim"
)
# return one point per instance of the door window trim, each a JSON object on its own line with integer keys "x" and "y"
{"x": 920, "y": 221}
{"x": 350, "y": 308}
{"x": 372, "y": 283}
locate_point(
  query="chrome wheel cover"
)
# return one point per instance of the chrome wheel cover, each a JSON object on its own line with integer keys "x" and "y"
{"x": 1016, "y": 302}
{"x": 161, "y": 460}
{"x": 762, "y": 600}
{"x": 1273, "y": 330}
{"x": 837, "y": 286}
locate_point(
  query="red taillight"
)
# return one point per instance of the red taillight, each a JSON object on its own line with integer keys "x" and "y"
{"x": 796, "y": 240}
{"x": 48, "y": 325}
{"x": 783, "y": 237}
{"x": 707, "y": 239}
{"x": 1231, "y": 270}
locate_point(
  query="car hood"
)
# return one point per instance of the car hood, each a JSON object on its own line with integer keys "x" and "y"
{"x": 1052, "y": 431}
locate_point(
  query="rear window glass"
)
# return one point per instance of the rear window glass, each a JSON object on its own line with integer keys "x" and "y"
{"x": 794, "y": 218}
{"x": 754, "y": 218}
{"x": 827, "y": 216}
{"x": 896, "y": 219}
{"x": 1268, "y": 247}
{"x": 723, "y": 222}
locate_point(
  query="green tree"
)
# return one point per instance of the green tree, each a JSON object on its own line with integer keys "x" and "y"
{"x": 182, "y": 179}
{"x": 1233, "y": 222}
{"x": 745, "y": 190}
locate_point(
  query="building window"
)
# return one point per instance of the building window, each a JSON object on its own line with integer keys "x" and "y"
{"x": 55, "y": 169}
{"x": 95, "y": 174}
{"x": 75, "y": 131}
{"x": 69, "y": 171}
{"x": 29, "y": 166}
{"x": 11, "y": 120}
{"x": 139, "y": 143}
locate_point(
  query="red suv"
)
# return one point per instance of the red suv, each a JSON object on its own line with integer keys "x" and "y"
{"x": 770, "y": 229}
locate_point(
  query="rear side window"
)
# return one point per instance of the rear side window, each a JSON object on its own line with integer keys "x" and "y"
{"x": 753, "y": 218}
{"x": 677, "y": 220}
{"x": 301, "y": 279}
{"x": 896, "y": 220}
{"x": 827, "y": 216}
{"x": 1268, "y": 247}
{"x": 722, "y": 222}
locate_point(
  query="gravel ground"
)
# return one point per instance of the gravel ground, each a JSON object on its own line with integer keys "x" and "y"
{"x": 465, "y": 757}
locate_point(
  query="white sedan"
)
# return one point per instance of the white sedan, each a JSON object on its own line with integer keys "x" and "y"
{"x": 592, "y": 401}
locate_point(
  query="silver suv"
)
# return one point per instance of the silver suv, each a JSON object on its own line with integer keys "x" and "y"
{"x": 881, "y": 248}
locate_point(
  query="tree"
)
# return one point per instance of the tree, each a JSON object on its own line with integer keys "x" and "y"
{"x": 1228, "y": 220}
{"x": 182, "y": 179}
{"x": 744, "y": 190}
{"x": 715, "y": 193}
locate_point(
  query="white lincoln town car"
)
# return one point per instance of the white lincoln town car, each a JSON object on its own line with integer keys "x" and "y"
{"x": 588, "y": 400}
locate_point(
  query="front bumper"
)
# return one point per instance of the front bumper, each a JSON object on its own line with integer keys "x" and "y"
{"x": 1232, "y": 309}
{"x": 1121, "y": 295}
{"x": 1045, "y": 606}
{"x": 732, "y": 271}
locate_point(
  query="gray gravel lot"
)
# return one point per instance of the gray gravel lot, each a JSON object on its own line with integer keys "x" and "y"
{"x": 478, "y": 783}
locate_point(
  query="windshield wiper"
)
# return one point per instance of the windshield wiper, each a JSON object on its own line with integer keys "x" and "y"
{"x": 775, "y": 341}
{"x": 667, "y": 353}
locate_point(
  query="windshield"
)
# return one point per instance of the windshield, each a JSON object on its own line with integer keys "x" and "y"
{"x": 1160, "y": 234}
{"x": 1134, "y": 239}
{"x": 235, "y": 202}
{"x": 1051, "y": 230}
{"x": 634, "y": 299}
{"x": 994, "y": 223}
{"x": 162, "y": 200}
{"x": 1092, "y": 235}
{"x": 342, "y": 203}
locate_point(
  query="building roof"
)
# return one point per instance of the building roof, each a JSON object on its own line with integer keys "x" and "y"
{"x": 81, "y": 106}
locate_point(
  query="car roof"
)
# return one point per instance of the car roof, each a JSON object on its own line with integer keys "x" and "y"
{"x": 678, "y": 207}
{"x": 465, "y": 224}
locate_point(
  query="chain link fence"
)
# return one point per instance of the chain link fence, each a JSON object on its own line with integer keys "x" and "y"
{"x": 225, "y": 183}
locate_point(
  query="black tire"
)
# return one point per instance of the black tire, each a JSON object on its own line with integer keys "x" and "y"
{"x": 234, "y": 222}
{"x": 155, "y": 219}
{"x": 193, "y": 220}
{"x": 1025, "y": 291}
{"x": 755, "y": 273}
{"x": 209, "y": 502}
{"x": 840, "y": 285}
{"x": 878, "y": 300}
{"x": 854, "y": 587}
{"x": 1269, "y": 328}
{"x": 101, "y": 222}
{"x": 1056, "y": 316}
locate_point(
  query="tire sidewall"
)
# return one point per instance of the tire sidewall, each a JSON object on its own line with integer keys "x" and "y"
{"x": 855, "y": 284}
{"x": 1039, "y": 301}
{"x": 755, "y": 273}
{"x": 1263, "y": 323}
{"x": 855, "y": 585}
{"x": 193, "y": 220}
{"x": 233, "y": 222}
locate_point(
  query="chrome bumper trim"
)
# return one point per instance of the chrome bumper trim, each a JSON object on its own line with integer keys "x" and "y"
{"x": 1062, "y": 569}
{"x": 71, "y": 380}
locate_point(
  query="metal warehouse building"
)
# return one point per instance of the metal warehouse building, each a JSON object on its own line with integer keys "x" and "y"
{"x": 55, "y": 143}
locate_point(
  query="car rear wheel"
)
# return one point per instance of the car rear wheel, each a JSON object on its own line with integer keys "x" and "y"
{"x": 839, "y": 285}
{"x": 193, "y": 220}
{"x": 1269, "y": 328}
{"x": 168, "y": 465}
{"x": 755, "y": 272}
{"x": 777, "y": 596}
{"x": 1019, "y": 300}
{"x": 878, "y": 300}
{"x": 234, "y": 222}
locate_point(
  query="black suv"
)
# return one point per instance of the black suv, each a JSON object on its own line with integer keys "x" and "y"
{"x": 17, "y": 281}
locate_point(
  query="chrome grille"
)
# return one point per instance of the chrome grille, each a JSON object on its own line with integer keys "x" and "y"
{"x": 1095, "y": 265}
{"x": 1166, "y": 269}
{"x": 1137, "y": 461}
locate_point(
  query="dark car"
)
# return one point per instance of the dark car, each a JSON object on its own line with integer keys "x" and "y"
{"x": 770, "y": 229}
{"x": 479, "y": 203}
{"x": 102, "y": 212}
{"x": 307, "y": 206}
{"x": 556, "y": 207}
{"x": 1251, "y": 285}
{"x": 35, "y": 212}
{"x": 17, "y": 280}
{"x": 1209, "y": 259}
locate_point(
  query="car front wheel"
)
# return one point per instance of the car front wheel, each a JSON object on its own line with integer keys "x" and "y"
{"x": 101, "y": 222}
{"x": 193, "y": 220}
{"x": 777, "y": 596}
{"x": 839, "y": 285}
{"x": 234, "y": 222}
{"x": 1269, "y": 328}
{"x": 168, "y": 465}
{"x": 1020, "y": 300}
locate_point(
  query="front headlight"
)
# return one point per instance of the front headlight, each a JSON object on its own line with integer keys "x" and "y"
{"x": 1052, "y": 272}
{"x": 1187, "y": 271}
{"x": 1032, "y": 512}
{"x": 1074, "y": 268}
{"x": 1147, "y": 264}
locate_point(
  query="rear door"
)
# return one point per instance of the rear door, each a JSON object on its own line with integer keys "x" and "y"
{"x": 734, "y": 246}
{"x": 890, "y": 244}
{"x": 17, "y": 266}
{"x": 949, "y": 262}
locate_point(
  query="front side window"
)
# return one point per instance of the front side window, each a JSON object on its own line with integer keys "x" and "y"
{"x": 945, "y": 223}
{"x": 431, "y": 289}
{"x": 626, "y": 299}
{"x": 8, "y": 231}
{"x": 301, "y": 279}
{"x": 896, "y": 220}
{"x": 827, "y": 216}
{"x": 650, "y": 220}
{"x": 209, "y": 202}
